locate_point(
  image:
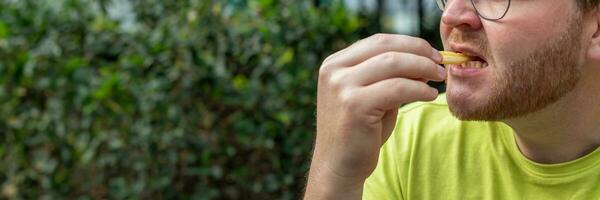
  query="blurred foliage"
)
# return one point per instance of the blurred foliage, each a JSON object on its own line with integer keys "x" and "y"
{"x": 160, "y": 99}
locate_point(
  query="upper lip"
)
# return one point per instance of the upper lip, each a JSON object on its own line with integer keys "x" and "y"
{"x": 466, "y": 49}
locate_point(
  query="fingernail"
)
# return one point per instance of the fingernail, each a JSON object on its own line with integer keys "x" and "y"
{"x": 437, "y": 57}
{"x": 442, "y": 71}
{"x": 435, "y": 91}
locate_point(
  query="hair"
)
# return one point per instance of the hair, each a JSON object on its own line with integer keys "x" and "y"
{"x": 587, "y": 5}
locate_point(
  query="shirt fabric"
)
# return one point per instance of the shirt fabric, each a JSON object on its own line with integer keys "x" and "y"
{"x": 433, "y": 155}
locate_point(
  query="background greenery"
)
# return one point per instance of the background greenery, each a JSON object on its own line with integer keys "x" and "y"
{"x": 161, "y": 99}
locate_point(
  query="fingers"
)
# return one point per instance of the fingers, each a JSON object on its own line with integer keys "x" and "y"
{"x": 395, "y": 64}
{"x": 391, "y": 93}
{"x": 378, "y": 74}
{"x": 381, "y": 43}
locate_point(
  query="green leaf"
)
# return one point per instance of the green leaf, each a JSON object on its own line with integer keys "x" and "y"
{"x": 73, "y": 64}
{"x": 284, "y": 118}
{"x": 106, "y": 88}
{"x": 4, "y": 30}
{"x": 285, "y": 58}
{"x": 240, "y": 82}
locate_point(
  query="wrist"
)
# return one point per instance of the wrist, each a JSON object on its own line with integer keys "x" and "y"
{"x": 324, "y": 183}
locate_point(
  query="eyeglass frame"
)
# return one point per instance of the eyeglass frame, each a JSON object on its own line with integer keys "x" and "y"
{"x": 442, "y": 6}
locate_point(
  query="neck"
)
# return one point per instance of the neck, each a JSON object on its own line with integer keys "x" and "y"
{"x": 563, "y": 131}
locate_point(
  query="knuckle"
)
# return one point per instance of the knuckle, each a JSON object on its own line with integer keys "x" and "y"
{"x": 328, "y": 58}
{"x": 381, "y": 38}
{"x": 413, "y": 87}
{"x": 331, "y": 57}
{"x": 425, "y": 66}
{"x": 388, "y": 58}
{"x": 422, "y": 43}
{"x": 433, "y": 70}
{"x": 400, "y": 85}
{"x": 348, "y": 99}
{"x": 403, "y": 90}
{"x": 324, "y": 71}
{"x": 337, "y": 80}
{"x": 418, "y": 86}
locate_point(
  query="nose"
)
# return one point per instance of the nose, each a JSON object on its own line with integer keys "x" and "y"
{"x": 461, "y": 14}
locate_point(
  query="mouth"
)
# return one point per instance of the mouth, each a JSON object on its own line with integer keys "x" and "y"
{"x": 477, "y": 61}
{"x": 475, "y": 69}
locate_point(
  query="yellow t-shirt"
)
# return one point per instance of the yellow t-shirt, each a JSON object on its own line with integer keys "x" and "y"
{"x": 433, "y": 155}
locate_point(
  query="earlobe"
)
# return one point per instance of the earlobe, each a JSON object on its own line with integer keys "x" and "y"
{"x": 594, "y": 52}
{"x": 594, "y": 46}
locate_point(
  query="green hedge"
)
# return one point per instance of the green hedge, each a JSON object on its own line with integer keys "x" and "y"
{"x": 162, "y": 99}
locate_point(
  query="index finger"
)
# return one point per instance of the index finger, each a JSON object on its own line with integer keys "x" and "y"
{"x": 381, "y": 43}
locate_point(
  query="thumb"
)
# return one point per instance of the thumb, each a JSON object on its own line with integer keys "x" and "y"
{"x": 389, "y": 122}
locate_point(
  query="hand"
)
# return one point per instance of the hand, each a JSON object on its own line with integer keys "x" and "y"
{"x": 359, "y": 91}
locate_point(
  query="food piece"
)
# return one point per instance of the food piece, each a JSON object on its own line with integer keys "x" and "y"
{"x": 454, "y": 58}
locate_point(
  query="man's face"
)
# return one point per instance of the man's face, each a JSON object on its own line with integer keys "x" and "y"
{"x": 530, "y": 58}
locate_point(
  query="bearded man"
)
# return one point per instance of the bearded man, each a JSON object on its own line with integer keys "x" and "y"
{"x": 519, "y": 121}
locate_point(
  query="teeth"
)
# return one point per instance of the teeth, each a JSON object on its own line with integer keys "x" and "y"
{"x": 473, "y": 64}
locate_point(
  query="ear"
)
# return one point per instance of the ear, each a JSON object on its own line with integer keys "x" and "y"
{"x": 593, "y": 29}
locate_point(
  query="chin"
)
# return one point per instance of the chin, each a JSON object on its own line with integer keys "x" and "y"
{"x": 469, "y": 106}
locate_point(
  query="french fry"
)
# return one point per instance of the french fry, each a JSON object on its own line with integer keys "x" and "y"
{"x": 453, "y": 58}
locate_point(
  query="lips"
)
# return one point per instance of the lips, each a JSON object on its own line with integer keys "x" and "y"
{"x": 477, "y": 61}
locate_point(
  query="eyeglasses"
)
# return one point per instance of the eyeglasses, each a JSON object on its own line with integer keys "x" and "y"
{"x": 487, "y": 9}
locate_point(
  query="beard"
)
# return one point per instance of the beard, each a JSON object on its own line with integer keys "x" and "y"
{"x": 529, "y": 84}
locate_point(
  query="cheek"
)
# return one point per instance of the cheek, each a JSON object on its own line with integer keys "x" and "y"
{"x": 525, "y": 34}
{"x": 516, "y": 42}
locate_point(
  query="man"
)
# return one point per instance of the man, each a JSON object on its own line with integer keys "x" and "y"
{"x": 522, "y": 121}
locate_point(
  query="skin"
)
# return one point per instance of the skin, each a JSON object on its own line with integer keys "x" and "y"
{"x": 361, "y": 87}
{"x": 553, "y": 122}
{"x": 510, "y": 86}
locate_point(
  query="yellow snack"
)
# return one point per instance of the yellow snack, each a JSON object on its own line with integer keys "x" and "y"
{"x": 453, "y": 58}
